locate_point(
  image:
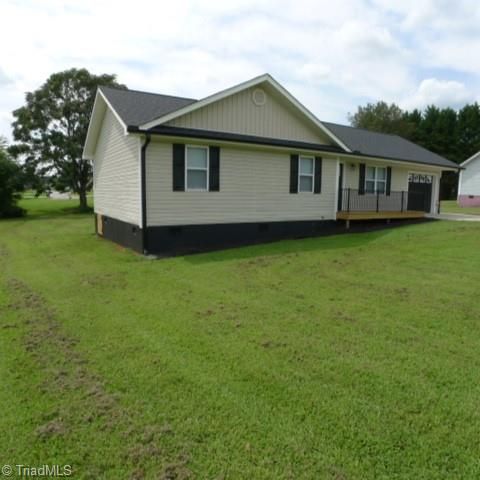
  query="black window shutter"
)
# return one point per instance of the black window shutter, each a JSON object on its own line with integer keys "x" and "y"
{"x": 178, "y": 167}
{"x": 361, "y": 179}
{"x": 389, "y": 180}
{"x": 317, "y": 188}
{"x": 293, "y": 173}
{"x": 214, "y": 172}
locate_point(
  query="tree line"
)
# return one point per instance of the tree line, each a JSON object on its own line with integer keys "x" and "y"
{"x": 453, "y": 134}
{"x": 49, "y": 132}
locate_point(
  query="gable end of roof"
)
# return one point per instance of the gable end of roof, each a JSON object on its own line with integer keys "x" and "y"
{"x": 265, "y": 78}
{"x": 474, "y": 157}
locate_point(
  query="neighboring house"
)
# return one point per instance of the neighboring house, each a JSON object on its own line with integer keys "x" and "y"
{"x": 247, "y": 164}
{"x": 469, "y": 182}
{"x": 55, "y": 195}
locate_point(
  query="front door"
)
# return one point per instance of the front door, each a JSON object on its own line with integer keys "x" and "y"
{"x": 419, "y": 192}
{"x": 340, "y": 188}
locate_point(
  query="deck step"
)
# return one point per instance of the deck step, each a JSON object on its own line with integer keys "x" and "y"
{"x": 379, "y": 215}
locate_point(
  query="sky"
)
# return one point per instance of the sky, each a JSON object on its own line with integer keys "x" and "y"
{"x": 332, "y": 55}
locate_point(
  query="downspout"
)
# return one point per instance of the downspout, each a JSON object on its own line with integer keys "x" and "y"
{"x": 143, "y": 180}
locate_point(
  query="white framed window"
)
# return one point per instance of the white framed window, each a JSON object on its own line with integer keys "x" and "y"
{"x": 376, "y": 180}
{"x": 306, "y": 170}
{"x": 196, "y": 168}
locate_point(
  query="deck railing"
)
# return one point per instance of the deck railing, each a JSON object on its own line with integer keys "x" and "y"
{"x": 351, "y": 200}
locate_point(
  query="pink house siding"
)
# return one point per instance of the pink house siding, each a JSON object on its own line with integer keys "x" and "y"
{"x": 469, "y": 200}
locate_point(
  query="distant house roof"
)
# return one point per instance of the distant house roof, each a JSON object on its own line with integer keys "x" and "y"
{"x": 475, "y": 156}
{"x": 386, "y": 145}
{"x": 135, "y": 107}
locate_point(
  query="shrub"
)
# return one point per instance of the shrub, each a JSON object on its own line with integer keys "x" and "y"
{"x": 10, "y": 185}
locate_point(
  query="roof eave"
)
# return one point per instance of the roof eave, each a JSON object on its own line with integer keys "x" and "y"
{"x": 178, "y": 132}
{"x": 399, "y": 160}
{"x": 87, "y": 152}
{"x": 94, "y": 126}
{"x": 470, "y": 159}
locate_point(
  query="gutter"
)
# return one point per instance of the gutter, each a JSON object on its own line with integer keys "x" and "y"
{"x": 143, "y": 188}
{"x": 167, "y": 131}
{"x": 232, "y": 137}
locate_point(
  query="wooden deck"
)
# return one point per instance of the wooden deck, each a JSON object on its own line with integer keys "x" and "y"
{"x": 360, "y": 215}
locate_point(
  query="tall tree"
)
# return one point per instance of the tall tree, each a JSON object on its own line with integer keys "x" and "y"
{"x": 429, "y": 126}
{"x": 468, "y": 130}
{"x": 439, "y": 134}
{"x": 50, "y": 130}
{"x": 10, "y": 184}
{"x": 381, "y": 117}
{"x": 414, "y": 120}
{"x": 447, "y": 132}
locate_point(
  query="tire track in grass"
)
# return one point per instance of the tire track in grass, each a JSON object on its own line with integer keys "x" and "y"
{"x": 91, "y": 405}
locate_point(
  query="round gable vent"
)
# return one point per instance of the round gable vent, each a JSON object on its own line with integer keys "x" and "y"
{"x": 259, "y": 98}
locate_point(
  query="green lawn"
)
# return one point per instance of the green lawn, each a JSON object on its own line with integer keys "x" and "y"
{"x": 347, "y": 357}
{"x": 451, "y": 206}
{"x": 47, "y": 208}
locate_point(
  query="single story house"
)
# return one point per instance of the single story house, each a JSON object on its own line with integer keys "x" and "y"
{"x": 469, "y": 182}
{"x": 247, "y": 164}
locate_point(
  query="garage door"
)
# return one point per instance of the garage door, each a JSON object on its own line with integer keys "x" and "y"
{"x": 420, "y": 192}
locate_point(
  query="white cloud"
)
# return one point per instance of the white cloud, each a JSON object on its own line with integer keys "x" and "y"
{"x": 432, "y": 91}
{"x": 330, "y": 56}
{"x": 428, "y": 16}
{"x": 365, "y": 40}
{"x": 315, "y": 73}
{"x": 4, "y": 79}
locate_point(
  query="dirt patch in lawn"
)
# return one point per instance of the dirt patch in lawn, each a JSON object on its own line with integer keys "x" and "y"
{"x": 67, "y": 374}
{"x": 107, "y": 280}
{"x": 53, "y": 428}
{"x": 272, "y": 344}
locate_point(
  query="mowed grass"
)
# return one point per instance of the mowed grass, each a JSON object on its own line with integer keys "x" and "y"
{"x": 45, "y": 207}
{"x": 345, "y": 357}
{"x": 451, "y": 206}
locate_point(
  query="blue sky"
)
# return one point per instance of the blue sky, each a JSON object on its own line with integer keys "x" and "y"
{"x": 333, "y": 56}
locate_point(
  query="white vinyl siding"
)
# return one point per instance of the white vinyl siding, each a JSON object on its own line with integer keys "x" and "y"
{"x": 116, "y": 173}
{"x": 239, "y": 114}
{"x": 254, "y": 187}
{"x": 470, "y": 181}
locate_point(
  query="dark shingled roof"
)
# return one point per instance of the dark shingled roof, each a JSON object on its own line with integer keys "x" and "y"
{"x": 385, "y": 145}
{"x": 136, "y": 107}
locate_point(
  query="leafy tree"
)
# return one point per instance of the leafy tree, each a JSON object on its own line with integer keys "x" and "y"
{"x": 446, "y": 132}
{"x": 468, "y": 131}
{"x": 429, "y": 125}
{"x": 439, "y": 132}
{"x": 10, "y": 184}
{"x": 381, "y": 117}
{"x": 414, "y": 121}
{"x": 50, "y": 131}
